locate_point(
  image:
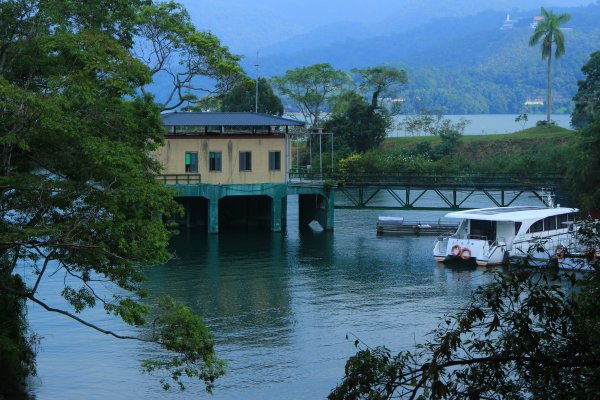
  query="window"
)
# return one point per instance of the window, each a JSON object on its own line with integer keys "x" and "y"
{"x": 191, "y": 162}
{"x": 274, "y": 161}
{"x": 245, "y": 161}
{"x": 214, "y": 161}
{"x": 550, "y": 223}
{"x": 563, "y": 220}
{"x": 538, "y": 226}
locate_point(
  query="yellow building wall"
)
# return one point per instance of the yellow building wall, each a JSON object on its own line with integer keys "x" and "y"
{"x": 172, "y": 157}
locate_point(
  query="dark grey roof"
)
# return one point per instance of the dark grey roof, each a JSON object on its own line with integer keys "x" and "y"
{"x": 226, "y": 119}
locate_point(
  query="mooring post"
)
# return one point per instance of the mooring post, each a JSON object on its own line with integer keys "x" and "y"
{"x": 330, "y": 204}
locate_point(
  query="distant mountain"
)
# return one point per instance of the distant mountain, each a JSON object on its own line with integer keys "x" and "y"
{"x": 467, "y": 64}
{"x": 250, "y": 26}
{"x": 456, "y": 55}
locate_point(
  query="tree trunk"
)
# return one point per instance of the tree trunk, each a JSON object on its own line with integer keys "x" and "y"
{"x": 549, "y": 99}
{"x": 375, "y": 99}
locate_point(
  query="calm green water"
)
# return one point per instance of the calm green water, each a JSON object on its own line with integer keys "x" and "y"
{"x": 280, "y": 306}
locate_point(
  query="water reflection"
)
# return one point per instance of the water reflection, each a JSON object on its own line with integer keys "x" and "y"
{"x": 238, "y": 282}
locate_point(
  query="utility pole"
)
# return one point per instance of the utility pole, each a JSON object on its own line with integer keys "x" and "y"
{"x": 256, "y": 96}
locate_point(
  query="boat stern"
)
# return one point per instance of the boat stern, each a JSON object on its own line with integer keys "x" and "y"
{"x": 468, "y": 249}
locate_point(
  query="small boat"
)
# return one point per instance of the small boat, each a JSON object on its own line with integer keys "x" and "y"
{"x": 401, "y": 226}
{"x": 489, "y": 236}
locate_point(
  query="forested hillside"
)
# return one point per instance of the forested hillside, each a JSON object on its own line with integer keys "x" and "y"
{"x": 468, "y": 64}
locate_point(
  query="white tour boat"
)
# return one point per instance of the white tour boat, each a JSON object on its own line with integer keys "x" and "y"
{"x": 489, "y": 236}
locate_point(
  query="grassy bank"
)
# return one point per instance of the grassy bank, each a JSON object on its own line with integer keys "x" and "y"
{"x": 535, "y": 133}
{"x": 536, "y": 150}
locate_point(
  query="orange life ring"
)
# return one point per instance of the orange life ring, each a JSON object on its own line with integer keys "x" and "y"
{"x": 455, "y": 251}
{"x": 559, "y": 252}
{"x": 465, "y": 254}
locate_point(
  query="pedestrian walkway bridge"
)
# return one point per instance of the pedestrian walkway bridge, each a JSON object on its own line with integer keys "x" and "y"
{"x": 432, "y": 191}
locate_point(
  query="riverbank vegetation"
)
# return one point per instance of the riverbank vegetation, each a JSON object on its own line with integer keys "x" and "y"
{"x": 539, "y": 150}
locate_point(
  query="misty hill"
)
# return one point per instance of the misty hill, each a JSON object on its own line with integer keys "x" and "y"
{"x": 466, "y": 64}
{"x": 251, "y": 26}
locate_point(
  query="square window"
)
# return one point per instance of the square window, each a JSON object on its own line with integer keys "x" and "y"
{"x": 214, "y": 161}
{"x": 274, "y": 161}
{"x": 245, "y": 161}
{"x": 191, "y": 162}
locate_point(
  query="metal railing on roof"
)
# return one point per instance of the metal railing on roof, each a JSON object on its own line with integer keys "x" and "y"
{"x": 180, "y": 179}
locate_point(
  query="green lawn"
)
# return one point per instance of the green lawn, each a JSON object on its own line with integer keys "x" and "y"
{"x": 539, "y": 132}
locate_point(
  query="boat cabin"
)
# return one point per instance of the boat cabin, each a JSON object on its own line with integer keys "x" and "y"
{"x": 508, "y": 224}
{"x": 490, "y": 235}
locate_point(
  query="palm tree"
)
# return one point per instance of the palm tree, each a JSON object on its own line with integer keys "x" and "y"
{"x": 548, "y": 30}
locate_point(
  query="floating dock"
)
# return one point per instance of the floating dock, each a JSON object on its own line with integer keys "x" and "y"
{"x": 401, "y": 226}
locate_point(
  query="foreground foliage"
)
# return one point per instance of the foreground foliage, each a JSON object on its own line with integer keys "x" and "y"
{"x": 79, "y": 197}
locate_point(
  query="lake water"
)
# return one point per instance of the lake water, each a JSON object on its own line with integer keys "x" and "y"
{"x": 485, "y": 124}
{"x": 279, "y": 305}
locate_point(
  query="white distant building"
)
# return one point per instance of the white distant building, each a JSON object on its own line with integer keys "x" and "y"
{"x": 508, "y": 24}
{"x": 534, "y": 102}
{"x": 535, "y": 22}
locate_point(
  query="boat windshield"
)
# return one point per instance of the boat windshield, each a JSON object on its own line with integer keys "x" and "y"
{"x": 480, "y": 229}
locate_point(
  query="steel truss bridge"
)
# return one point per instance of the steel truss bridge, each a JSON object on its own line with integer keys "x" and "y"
{"x": 432, "y": 191}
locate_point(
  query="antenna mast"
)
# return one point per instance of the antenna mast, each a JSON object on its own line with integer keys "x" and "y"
{"x": 256, "y": 95}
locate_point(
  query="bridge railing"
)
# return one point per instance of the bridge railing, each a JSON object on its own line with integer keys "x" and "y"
{"x": 413, "y": 179}
{"x": 180, "y": 179}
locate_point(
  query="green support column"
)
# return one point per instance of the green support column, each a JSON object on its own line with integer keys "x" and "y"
{"x": 284, "y": 211}
{"x": 330, "y": 207}
{"x": 213, "y": 215}
{"x": 275, "y": 214}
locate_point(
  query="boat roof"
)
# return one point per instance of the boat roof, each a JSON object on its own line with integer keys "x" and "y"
{"x": 514, "y": 214}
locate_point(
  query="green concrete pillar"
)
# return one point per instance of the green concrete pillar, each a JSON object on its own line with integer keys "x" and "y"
{"x": 284, "y": 207}
{"x": 276, "y": 214}
{"x": 329, "y": 210}
{"x": 213, "y": 215}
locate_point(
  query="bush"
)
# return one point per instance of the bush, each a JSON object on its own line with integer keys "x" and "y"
{"x": 545, "y": 123}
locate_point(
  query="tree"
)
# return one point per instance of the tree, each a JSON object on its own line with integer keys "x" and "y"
{"x": 194, "y": 62}
{"x": 77, "y": 181}
{"x": 381, "y": 81}
{"x": 310, "y": 88}
{"x": 527, "y": 335}
{"x": 587, "y": 99}
{"x": 243, "y": 98}
{"x": 548, "y": 31}
{"x": 522, "y": 119}
{"x": 358, "y": 127}
{"x": 584, "y": 168}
